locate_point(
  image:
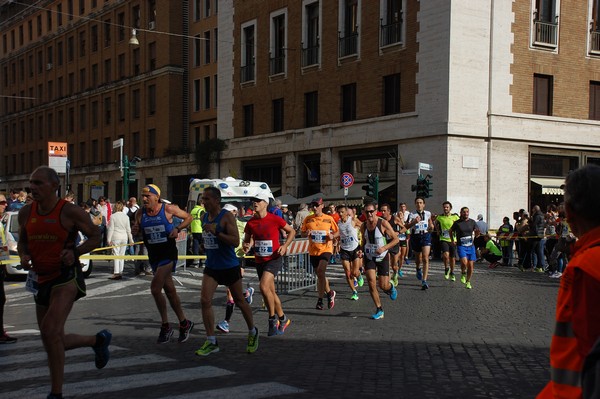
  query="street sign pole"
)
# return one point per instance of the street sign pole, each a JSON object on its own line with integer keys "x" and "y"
{"x": 346, "y": 180}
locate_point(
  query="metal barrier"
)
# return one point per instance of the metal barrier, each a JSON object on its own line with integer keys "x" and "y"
{"x": 296, "y": 274}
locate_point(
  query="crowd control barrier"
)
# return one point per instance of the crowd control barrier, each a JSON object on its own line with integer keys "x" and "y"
{"x": 297, "y": 272}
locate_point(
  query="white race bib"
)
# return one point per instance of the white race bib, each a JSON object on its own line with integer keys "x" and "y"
{"x": 156, "y": 234}
{"x": 446, "y": 233}
{"x": 421, "y": 227}
{"x": 31, "y": 284}
{"x": 210, "y": 240}
{"x": 466, "y": 241}
{"x": 263, "y": 248}
{"x": 318, "y": 236}
{"x": 402, "y": 236}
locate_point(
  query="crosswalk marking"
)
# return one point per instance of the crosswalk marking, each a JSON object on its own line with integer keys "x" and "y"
{"x": 41, "y": 355}
{"x": 35, "y": 372}
{"x": 120, "y": 383}
{"x": 250, "y": 391}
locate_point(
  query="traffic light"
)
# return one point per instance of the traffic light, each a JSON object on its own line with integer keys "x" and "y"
{"x": 372, "y": 186}
{"x": 423, "y": 186}
{"x": 132, "y": 171}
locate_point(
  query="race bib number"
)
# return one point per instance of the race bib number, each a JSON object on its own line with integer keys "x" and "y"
{"x": 156, "y": 234}
{"x": 402, "y": 236}
{"x": 347, "y": 240}
{"x": 31, "y": 285}
{"x": 466, "y": 241}
{"x": 371, "y": 250}
{"x": 318, "y": 236}
{"x": 446, "y": 233}
{"x": 263, "y": 248}
{"x": 421, "y": 227}
{"x": 210, "y": 241}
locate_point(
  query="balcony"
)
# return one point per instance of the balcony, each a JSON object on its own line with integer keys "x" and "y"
{"x": 310, "y": 55}
{"x": 391, "y": 33}
{"x": 595, "y": 42}
{"x": 348, "y": 45}
{"x": 247, "y": 73}
{"x": 546, "y": 34}
{"x": 277, "y": 64}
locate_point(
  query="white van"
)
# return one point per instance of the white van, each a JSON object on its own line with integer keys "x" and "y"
{"x": 11, "y": 232}
{"x": 232, "y": 190}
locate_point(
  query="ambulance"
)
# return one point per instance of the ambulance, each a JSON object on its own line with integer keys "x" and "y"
{"x": 232, "y": 190}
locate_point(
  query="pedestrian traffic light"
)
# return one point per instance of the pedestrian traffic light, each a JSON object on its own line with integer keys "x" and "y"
{"x": 427, "y": 189}
{"x": 372, "y": 186}
{"x": 423, "y": 187}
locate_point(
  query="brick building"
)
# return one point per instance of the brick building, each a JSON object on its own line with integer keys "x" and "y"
{"x": 499, "y": 97}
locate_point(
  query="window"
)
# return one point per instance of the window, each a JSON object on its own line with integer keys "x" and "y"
{"x": 136, "y": 62}
{"x": 206, "y": 8}
{"x": 136, "y": 16}
{"x": 107, "y": 111}
{"x": 121, "y": 27}
{"x": 82, "y": 44}
{"x": 59, "y": 15}
{"x": 71, "y": 83}
{"x": 152, "y": 56}
{"x": 542, "y": 94}
{"x": 107, "y": 150}
{"x": 215, "y": 79}
{"x": 59, "y": 53}
{"x": 392, "y": 22}
{"x": 81, "y": 7}
{"x": 349, "y": 102}
{"x": 196, "y": 95}
{"x": 197, "y": 52}
{"x": 207, "y": 92}
{"x": 39, "y": 30}
{"x": 69, "y": 10}
{"x": 197, "y": 10}
{"x": 50, "y": 86}
{"x": 207, "y": 50}
{"x": 94, "y": 114}
{"x": 82, "y": 79}
{"x": 278, "y": 115}
{"x": 311, "y": 109}
{"x": 278, "y": 44}
{"x": 60, "y": 122}
{"x": 50, "y": 124}
{"x": 348, "y": 42}
{"x": 391, "y": 94}
{"x": 545, "y": 23}
{"x": 94, "y": 38}
{"x": 248, "y": 120}
{"x": 248, "y": 54}
{"x": 59, "y": 87}
{"x": 94, "y": 74}
{"x": 311, "y": 33}
{"x": 107, "y": 70}
{"x": 82, "y": 117}
{"x": 595, "y": 27}
{"x": 82, "y": 153}
{"x": 151, "y": 99}
{"x": 95, "y": 149}
{"x": 216, "y": 46}
{"x": 70, "y": 49}
{"x": 121, "y": 107}
{"x": 121, "y": 65}
{"x": 136, "y": 103}
{"x": 595, "y": 100}
{"x": 107, "y": 27}
{"x": 151, "y": 143}
{"x": 151, "y": 14}
{"x": 71, "y": 120}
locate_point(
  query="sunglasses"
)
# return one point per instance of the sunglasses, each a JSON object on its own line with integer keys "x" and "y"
{"x": 371, "y": 211}
{"x": 3, "y": 202}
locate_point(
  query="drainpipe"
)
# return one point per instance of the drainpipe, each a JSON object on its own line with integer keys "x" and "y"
{"x": 489, "y": 115}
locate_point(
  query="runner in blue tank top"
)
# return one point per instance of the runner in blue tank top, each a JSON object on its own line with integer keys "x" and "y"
{"x": 221, "y": 236}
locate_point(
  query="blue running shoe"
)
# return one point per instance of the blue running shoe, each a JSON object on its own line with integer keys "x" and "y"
{"x": 419, "y": 274}
{"x": 355, "y": 283}
{"x": 400, "y": 273}
{"x": 101, "y": 350}
{"x": 378, "y": 315}
{"x": 249, "y": 292}
{"x": 393, "y": 293}
{"x": 424, "y": 285}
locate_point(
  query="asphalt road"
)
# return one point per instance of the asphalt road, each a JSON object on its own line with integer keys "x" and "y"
{"x": 447, "y": 342}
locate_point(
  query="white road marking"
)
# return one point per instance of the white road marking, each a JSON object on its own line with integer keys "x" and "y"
{"x": 253, "y": 391}
{"x": 41, "y": 355}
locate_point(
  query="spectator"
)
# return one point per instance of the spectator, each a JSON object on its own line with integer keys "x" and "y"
{"x": 118, "y": 236}
{"x": 300, "y": 216}
{"x": 491, "y": 252}
{"x": 536, "y": 239}
{"x": 288, "y": 216}
{"x": 506, "y": 244}
{"x": 479, "y": 241}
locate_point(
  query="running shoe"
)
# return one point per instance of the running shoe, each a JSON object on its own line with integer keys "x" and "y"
{"x": 165, "y": 335}
{"x": 452, "y": 277}
{"x": 319, "y": 304}
{"x": 252, "y": 342}
{"x": 355, "y": 282}
{"x": 406, "y": 261}
{"x": 394, "y": 279}
{"x": 273, "y": 326}
{"x": 331, "y": 299}
{"x": 101, "y": 350}
{"x": 463, "y": 278}
{"x": 354, "y": 296}
{"x": 493, "y": 265}
{"x": 377, "y": 315}
{"x": 424, "y": 285}
{"x": 468, "y": 285}
{"x": 393, "y": 283}
{"x": 6, "y": 339}
{"x": 208, "y": 348}
{"x": 539, "y": 270}
{"x": 447, "y": 274}
{"x": 249, "y": 293}
{"x": 184, "y": 331}
{"x": 223, "y": 326}
{"x": 400, "y": 273}
{"x": 361, "y": 280}
{"x": 283, "y": 324}
{"x": 419, "y": 274}
{"x": 393, "y": 293}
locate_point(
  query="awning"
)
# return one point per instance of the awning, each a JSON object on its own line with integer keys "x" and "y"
{"x": 550, "y": 185}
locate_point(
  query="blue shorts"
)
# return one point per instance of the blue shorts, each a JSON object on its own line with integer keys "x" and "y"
{"x": 466, "y": 252}
{"x": 418, "y": 241}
